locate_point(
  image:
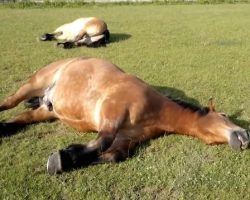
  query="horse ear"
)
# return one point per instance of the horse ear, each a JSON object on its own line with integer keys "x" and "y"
{"x": 211, "y": 105}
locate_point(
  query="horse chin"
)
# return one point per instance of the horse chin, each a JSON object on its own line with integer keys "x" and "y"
{"x": 239, "y": 140}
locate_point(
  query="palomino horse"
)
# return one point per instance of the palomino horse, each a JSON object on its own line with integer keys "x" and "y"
{"x": 92, "y": 94}
{"x": 91, "y": 31}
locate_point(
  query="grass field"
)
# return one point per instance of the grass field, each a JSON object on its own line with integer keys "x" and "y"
{"x": 188, "y": 51}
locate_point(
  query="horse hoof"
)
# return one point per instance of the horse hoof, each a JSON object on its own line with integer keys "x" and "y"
{"x": 59, "y": 45}
{"x": 68, "y": 45}
{"x": 43, "y": 37}
{"x": 54, "y": 164}
{"x": 60, "y": 161}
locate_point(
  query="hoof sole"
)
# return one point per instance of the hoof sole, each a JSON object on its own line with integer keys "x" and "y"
{"x": 54, "y": 164}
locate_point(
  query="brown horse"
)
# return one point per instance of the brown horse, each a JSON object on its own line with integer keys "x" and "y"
{"x": 91, "y": 94}
{"x": 90, "y": 31}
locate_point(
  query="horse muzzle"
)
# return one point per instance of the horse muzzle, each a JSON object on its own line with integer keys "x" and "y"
{"x": 239, "y": 140}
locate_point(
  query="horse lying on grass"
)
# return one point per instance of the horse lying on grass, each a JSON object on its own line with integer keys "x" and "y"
{"x": 91, "y": 31}
{"x": 91, "y": 94}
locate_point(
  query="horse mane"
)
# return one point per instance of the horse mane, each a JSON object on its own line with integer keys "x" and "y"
{"x": 187, "y": 105}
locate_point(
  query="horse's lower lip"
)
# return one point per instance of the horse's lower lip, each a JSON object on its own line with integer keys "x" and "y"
{"x": 239, "y": 140}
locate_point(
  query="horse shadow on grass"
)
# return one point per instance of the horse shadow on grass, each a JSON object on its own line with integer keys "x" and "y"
{"x": 176, "y": 94}
{"x": 118, "y": 37}
{"x": 9, "y": 129}
{"x": 240, "y": 122}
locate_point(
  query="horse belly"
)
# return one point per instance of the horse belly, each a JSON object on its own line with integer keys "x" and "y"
{"x": 75, "y": 108}
{"x": 80, "y": 125}
{"x": 75, "y": 115}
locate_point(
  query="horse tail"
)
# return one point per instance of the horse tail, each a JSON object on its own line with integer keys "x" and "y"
{"x": 102, "y": 41}
{"x": 106, "y": 35}
{"x": 33, "y": 102}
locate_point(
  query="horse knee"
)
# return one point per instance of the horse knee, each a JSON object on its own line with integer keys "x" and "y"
{"x": 100, "y": 144}
{"x": 113, "y": 156}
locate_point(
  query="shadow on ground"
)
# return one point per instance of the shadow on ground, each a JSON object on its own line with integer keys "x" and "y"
{"x": 176, "y": 94}
{"x": 118, "y": 37}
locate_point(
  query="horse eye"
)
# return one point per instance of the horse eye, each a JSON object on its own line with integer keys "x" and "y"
{"x": 223, "y": 114}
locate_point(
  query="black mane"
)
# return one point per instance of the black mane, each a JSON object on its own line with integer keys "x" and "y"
{"x": 186, "y": 105}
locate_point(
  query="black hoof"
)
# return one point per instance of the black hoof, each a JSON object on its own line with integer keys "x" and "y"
{"x": 59, "y": 162}
{"x": 66, "y": 45}
{"x": 73, "y": 157}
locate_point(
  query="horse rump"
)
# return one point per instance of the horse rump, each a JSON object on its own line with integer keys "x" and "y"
{"x": 33, "y": 102}
{"x": 101, "y": 42}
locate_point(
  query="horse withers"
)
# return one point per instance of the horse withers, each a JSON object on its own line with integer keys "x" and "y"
{"x": 90, "y": 31}
{"x": 91, "y": 94}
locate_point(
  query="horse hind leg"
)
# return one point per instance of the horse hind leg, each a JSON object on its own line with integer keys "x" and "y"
{"x": 39, "y": 114}
{"x": 94, "y": 41}
{"x": 13, "y": 125}
{"x": 89, "y": 41}
{"x": 25, "y": 92}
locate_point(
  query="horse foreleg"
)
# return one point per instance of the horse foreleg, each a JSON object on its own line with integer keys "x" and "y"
{"x": 40, "y": 114}
{"x": 13, "y": 125}
{"x": 125, "y": 143}
{"x": 78, "y": 155}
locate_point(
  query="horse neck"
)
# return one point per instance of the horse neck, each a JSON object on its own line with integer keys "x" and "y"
{"x": 176, "y": 118}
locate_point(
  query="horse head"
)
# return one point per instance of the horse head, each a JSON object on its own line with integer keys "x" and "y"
{"x": 218, "y": 124}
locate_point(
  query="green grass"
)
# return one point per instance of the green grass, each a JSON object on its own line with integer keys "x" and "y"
{"x": 193, "y": 52}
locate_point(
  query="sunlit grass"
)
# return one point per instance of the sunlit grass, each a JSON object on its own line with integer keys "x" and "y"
{"x": 193, "y": 52}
